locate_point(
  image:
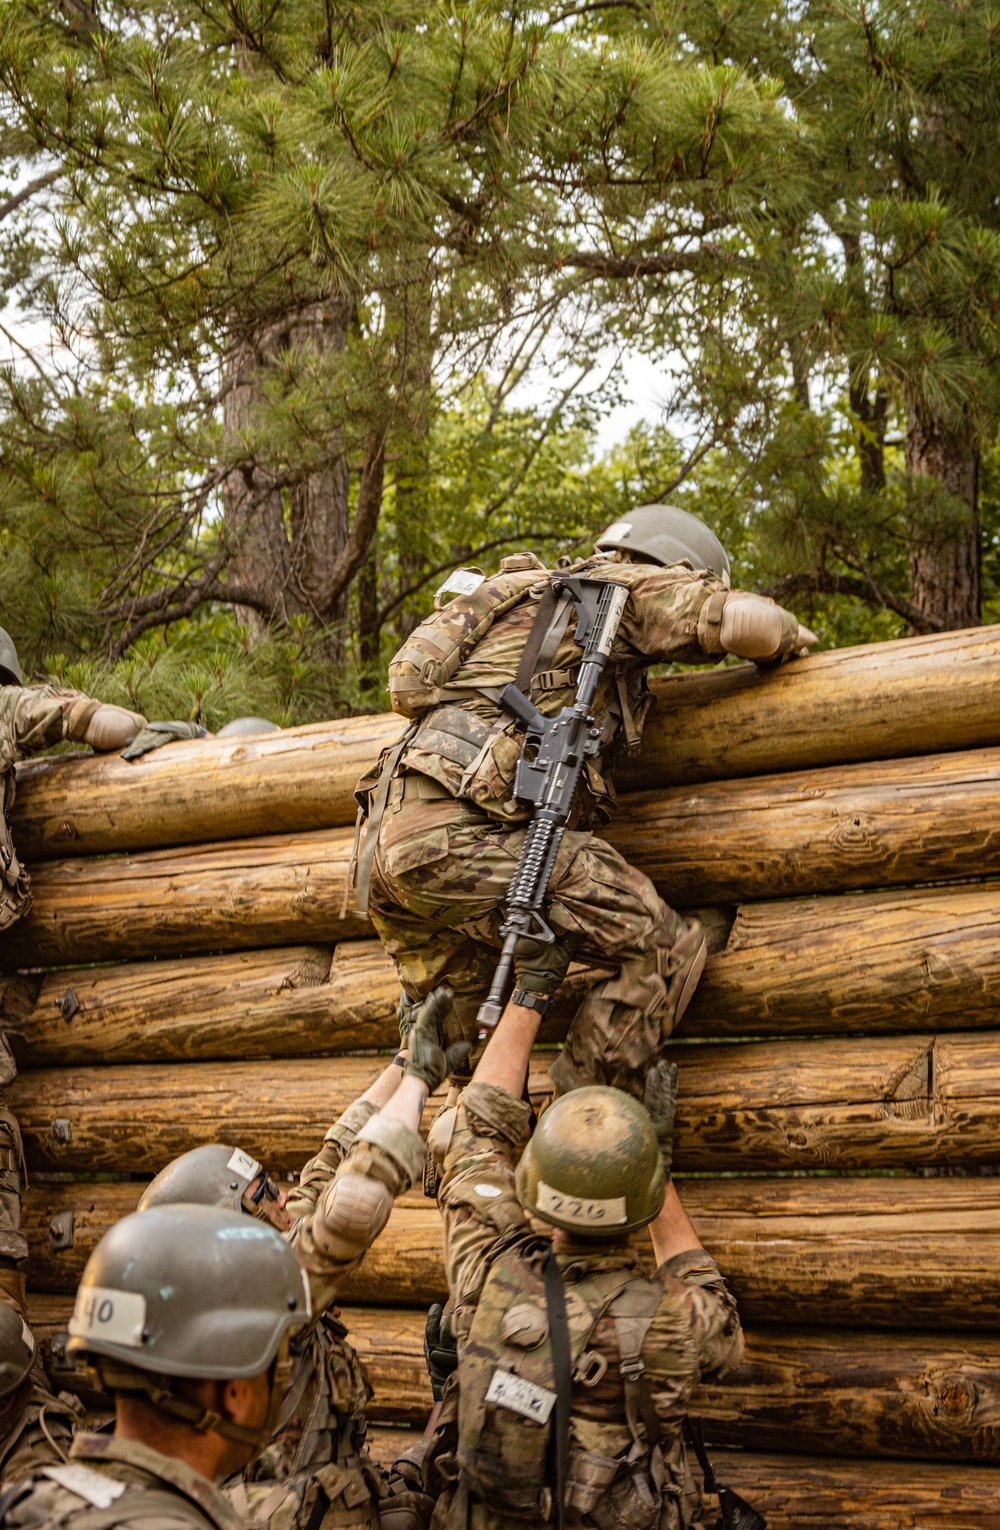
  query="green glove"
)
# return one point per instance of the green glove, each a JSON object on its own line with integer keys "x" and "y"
{"x": 661, "y": 1102}
{"x": 440, "y": 1349}
{"x": 429, "y": 1060}
{"x": 155, "y": 735}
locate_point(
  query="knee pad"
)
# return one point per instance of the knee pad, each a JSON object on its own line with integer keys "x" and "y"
{"x": 350, "y": 1216}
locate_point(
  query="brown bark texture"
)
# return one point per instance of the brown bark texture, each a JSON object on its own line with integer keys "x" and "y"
{"x": 865, "y": 1253}
{"x": 878, "y": 963}
{"x": 945, "y": 544}
{"x": 295, "y": 1001}
{"x": 844, "y": 828}
{"x": 873, "y": 1103}
{"x": 851, "y": 826}
{"x": 277, "y": 890}
{"x": 878, "y": 701}
{"x": 875, "y": 1394}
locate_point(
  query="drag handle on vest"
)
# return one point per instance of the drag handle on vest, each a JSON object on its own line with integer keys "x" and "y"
{"x": 553, "y": 757}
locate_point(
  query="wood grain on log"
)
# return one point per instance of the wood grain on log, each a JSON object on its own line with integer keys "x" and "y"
{"x": 282, "y": 889}
{"x": 876, "y": 1394}
{"x": 873, "y": 702}
{"x": 293, "y": 1001}
{"x": 225, "y": 788}
{"x": 931, "y": 819}
{"x": 874, "y": 1103}
{"x": 874, "y": 1252}
{"x": 924, "y": 820}
{"x": 876, "y": 963}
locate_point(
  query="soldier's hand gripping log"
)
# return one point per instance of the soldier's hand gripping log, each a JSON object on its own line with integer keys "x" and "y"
{"x": 552, "y": 760}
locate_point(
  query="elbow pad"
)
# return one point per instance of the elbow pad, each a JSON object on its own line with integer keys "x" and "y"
{"x": 752, "y": 627}
{"x": 112, "y": 727}
{"x": 350, "y": 1215}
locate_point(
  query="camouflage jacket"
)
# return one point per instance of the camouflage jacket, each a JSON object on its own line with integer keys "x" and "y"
{"x": 669, "y": 618}
{"x": 321, "y": 1432}
{"x": 129, "y": 1481}
{"x": 694, "y": 1330}
{"x": 36, "y": 1430}
{"x": 31, "y": 718}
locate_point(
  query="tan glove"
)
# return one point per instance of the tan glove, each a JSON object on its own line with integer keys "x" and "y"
{"x": 112, "y": 727}
{"x": 756, "y": 628}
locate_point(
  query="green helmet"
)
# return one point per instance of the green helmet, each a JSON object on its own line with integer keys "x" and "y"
{"x": 17, "y": 1349}
{"x": 593, "y": 1166}
{"x": 667, "y": 535}
{"x": 240, "y": 725}
{"x": 213, "y": 1175}
{"x": 10, "y": 667}
{"x": 192, "y": 1291}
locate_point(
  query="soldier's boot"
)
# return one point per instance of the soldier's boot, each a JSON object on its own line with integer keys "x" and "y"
{"x": 623, "y": 1022}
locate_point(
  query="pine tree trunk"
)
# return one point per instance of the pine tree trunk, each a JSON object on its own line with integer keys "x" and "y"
{"x": 287, "y": 541}
{"x": 945, "y": 558}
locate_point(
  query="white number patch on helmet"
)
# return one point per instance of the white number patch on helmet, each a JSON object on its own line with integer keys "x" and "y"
{"x": 102, "y": 1313}
{"x": 241, "y": 1163}
{"x": 575, "y": 1208}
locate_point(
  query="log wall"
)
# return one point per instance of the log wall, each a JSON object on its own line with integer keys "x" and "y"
{"x": 187, "y": 974}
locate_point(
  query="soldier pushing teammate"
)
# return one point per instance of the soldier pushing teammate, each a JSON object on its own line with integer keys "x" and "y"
{"x": 444, "y": 829}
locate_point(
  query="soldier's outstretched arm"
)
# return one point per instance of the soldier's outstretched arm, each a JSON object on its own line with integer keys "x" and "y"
{"x": 42, "y": 715}
{"x": 504, "y": 1064}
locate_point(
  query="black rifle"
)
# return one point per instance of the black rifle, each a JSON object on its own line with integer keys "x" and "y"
{"x": 553, "y": 756}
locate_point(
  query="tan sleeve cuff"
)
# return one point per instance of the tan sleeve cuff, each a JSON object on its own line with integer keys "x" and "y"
{"x": 694, "y": 1267}
{"x": 495, "y": 1112}
{"x": 398, "y": 1142}
{"x": 710, "y": 623}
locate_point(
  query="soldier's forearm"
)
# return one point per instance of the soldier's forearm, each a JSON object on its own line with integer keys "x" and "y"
{"x": 672, "y": 1232}
{"x": 505, "y": 1061}
{"x": 381, "y": 1092}
{"x": 407, "y": 1102}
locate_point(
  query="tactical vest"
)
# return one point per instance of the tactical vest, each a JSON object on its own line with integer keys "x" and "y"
{"x": 437, "y": 649}
{"x": 506, "y": 1384}
{"x": 68, "y": 1510}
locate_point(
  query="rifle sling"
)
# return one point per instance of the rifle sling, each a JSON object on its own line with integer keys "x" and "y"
{"x": 555, "y": 1302}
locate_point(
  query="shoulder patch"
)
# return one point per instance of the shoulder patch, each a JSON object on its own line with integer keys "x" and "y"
{"x": 95, "y": 1488}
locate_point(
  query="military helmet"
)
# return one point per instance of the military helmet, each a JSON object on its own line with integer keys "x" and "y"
{"x": 213, "y": 1175}
{"x": 667, "y": 535}
{"x": 17, "y": 1349}
{"x": 241, "y": 725}
{"x": 10, "y": 666}
{"x": 593, "y": 1166}
{"x": 193, "y": 1291}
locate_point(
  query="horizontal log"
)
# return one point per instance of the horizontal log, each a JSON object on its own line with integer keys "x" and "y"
{"x": 281, "y": 889}
{"x": 293, "y": 1001}
{"x": 922, "y": 820}
{"x": 917, "y": 960}
{"x": 875, "y": 1394}
{"x": 873, "y": 702}
{"x": 885, "y": 824}
{"x": 223, "y": 788}
{"x": 876, "y": 1103}
{"x": 809, "y": 1493}
{"x": 864, "y": 1253}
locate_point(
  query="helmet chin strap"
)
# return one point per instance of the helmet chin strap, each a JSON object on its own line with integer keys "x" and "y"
{"x": 163, "y": 1395}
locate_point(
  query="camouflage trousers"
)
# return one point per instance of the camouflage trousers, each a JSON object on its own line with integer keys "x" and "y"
{"x": 441, "y": 872}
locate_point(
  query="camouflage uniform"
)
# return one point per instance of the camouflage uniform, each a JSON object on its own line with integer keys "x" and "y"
{"x": 451, "y": 833}
{"x": 493, "y": 1262}
{"x": 109, "y": 1482}
{"x": 318, "y": 1453}
{"x": 32, "y": 718}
